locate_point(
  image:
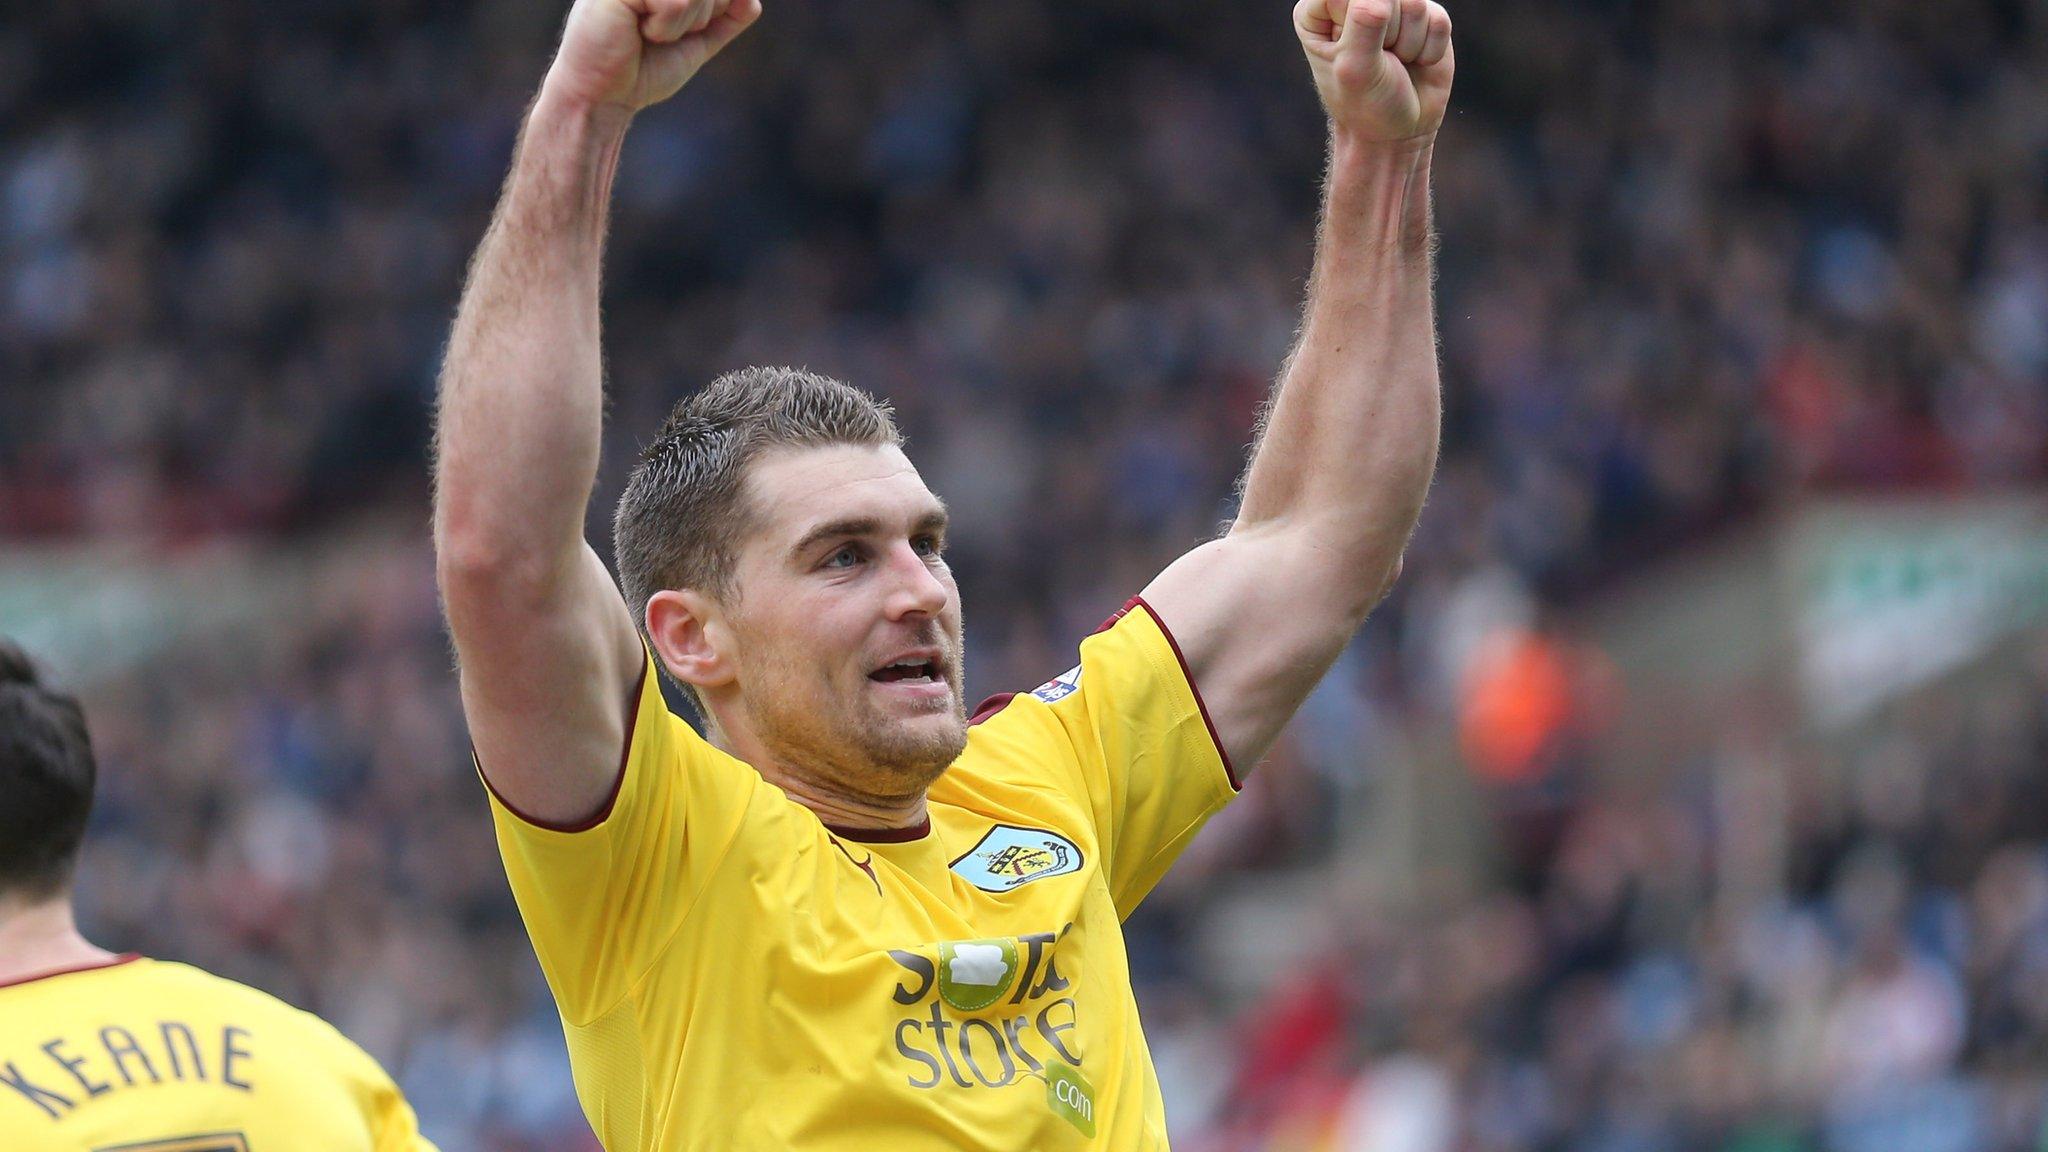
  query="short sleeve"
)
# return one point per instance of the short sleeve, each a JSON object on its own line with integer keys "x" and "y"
{"x": 392, "y": 1124}
{"x": 1142, "y": 747}
{"x": 398, "y": 1130}
{"x": 603, "y": 899}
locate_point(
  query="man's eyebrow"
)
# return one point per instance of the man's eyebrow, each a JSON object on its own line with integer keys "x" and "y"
{"x": 934, "y": 522}
{"x": 850, "y": 526}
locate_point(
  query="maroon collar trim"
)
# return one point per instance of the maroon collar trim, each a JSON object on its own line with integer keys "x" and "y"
{"x": 123, "y": 958}
{"x": 990, "y": 707}
{"x": 917, "y": 831}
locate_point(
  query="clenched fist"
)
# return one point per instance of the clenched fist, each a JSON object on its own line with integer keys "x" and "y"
{"x": 633, "y": 53}
{"x": 1382, "y": 67}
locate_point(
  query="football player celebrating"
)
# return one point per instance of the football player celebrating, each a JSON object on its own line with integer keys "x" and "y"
{"x": 851, "y": 917}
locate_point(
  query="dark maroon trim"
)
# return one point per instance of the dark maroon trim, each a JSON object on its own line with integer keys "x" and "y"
{"x": 990, "y": 707}
{"x": 1189, "y": 676}
{"x": 867, "y": 865}
{"x": 618, "y": 781}
{"x": 123, "y": 958}
{"x": 917, "y": 831}
{"x": 1119, "y": 614}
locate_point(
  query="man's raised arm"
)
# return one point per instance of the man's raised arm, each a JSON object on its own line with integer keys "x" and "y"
{"x": 1349, "y": 443}
{"x": 549, "y": 653}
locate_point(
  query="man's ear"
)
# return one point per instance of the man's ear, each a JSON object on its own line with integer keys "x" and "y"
{"x": 689, "y": 634}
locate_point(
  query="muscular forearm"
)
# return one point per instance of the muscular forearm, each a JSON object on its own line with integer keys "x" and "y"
{"x": 1350, "y": 441}
{"x": 551, "y": 661}
{"x": 521, "y": 402}
{"x": 1346, "y": 451}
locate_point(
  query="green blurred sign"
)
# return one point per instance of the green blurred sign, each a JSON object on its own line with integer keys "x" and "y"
{"x": 1891, "y": 594}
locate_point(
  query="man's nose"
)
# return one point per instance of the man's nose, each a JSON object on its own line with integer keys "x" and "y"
{"x": 918, "y": 591}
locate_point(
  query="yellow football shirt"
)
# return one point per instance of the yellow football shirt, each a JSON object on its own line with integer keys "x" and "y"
{"x": 735, "y": 975}
{"x": 141, "y": 1055}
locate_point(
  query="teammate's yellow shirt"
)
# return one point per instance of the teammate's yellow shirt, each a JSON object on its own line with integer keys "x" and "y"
{"x": 734, "y": 975}
{"x": 141, "y": 1055}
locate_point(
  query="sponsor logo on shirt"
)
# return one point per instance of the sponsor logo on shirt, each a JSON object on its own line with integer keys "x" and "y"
{"x": 1059, "y": 687}
{"x": 1009, "y": 857}
{"x": 994, "y": 1013}
{"x": 974, "y": 974}
{"x": 1070, "y": 1096}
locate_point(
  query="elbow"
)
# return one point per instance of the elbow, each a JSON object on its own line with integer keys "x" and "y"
{"x": 480, "y": 588}
{"x": 498, "y": 553}
{"x": 466, "y": 559}
{"x": 1385, "y": 587}
{"x": 476, "y": 563}
{"x": 467, "y": 545}
{"x": 1364, "y": 588}
{"x": 1392, "y": 577}
{"x": 1330, "y": 565}
{"x": 469, "y": 571}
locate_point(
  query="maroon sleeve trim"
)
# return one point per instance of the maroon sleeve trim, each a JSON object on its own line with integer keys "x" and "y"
{"x": 1188, "y": 675}
{"x": 990, "y": 707}
{"x": 123, "y": 958}
{"x": 604, "y": 810}
{"x": 1120, "y": 613}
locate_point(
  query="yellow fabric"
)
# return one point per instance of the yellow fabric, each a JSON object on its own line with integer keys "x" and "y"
{"x": 149, "y": 1056}
{"x": 733, "y": 975}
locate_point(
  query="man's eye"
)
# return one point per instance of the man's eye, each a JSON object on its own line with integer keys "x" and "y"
{"x": 846, "y": 557}
{"x": 928, "y": 546}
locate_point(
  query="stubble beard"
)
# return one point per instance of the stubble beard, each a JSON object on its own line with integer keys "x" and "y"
{"x": 852, "y": 748}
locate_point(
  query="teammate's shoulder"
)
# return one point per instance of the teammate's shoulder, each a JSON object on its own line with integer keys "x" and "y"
{"x": 191, "y": 980}
{"x": 196, "y": 980}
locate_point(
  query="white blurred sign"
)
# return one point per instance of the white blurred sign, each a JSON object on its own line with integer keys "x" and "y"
{"x": 1891, "y": 594}
{"x": 88, "y": 611}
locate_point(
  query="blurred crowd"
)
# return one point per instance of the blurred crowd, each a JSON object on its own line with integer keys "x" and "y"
{"x": 1771, "y": 950}
{"x": 1698, "y": 259}
{"x": 293, "y": 808}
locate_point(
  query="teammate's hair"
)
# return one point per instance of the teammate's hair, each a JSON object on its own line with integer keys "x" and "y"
{"x": 684, "y": 512}
{"x": 46, "y": 779}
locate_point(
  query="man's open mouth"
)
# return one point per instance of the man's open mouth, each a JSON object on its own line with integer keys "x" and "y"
{"x": 907, "y": 672}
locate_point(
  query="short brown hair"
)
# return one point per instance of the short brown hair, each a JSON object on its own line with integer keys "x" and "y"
{"x": 46, "y": 780}
{"x": 683, "y": 514}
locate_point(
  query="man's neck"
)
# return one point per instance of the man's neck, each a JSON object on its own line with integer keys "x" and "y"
{"x": 41, "y": 937}
{"x": 835, "y": 808}
{"x": 836, "y": 811}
